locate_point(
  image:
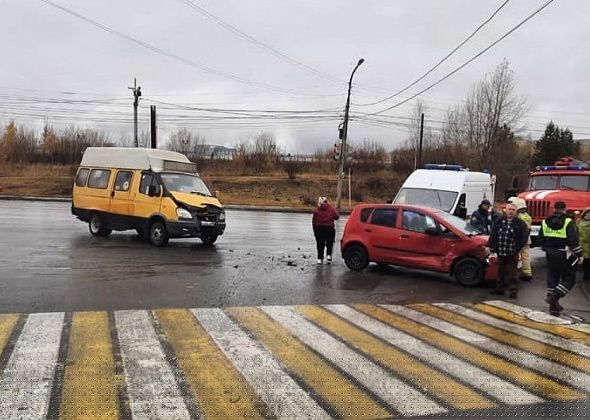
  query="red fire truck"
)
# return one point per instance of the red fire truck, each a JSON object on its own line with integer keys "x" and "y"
{"x": 566, "y": 180}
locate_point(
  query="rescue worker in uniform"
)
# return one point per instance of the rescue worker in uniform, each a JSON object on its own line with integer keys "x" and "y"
{"x": 559, "y": 239}
{"x": 526, "y": 271}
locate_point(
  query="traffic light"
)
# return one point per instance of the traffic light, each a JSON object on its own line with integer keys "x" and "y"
{"x": 336, "y": 151}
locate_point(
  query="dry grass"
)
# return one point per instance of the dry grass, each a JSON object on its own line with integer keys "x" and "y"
{"x": 267, "y": 190}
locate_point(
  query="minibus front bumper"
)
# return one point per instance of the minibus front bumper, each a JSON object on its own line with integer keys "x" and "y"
{"x": 194, "y": 228}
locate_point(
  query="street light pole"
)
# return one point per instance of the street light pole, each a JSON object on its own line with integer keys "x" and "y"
{"x": 344, "y": 134}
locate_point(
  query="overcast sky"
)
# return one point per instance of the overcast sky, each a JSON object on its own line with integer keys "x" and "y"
{"x": 62, "y": 67}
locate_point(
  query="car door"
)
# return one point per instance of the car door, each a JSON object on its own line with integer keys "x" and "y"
{"x": 120, "y": 196}
{"x": 419, "y": 249}
{"x": 382, "y": 232}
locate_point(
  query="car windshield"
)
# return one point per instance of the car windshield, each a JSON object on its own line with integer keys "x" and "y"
{"x": 543, "y": 182}
{"x": 460, "y": 224}
{"x": 185, "y": 183}
{"x": 437, "y": 199}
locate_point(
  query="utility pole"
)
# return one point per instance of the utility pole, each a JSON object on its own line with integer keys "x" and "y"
{"x": 421, "y": 135}
{"x": 136, "y": 94}
{"x": 153, "y": 128}
{"x": 343, "y": 149}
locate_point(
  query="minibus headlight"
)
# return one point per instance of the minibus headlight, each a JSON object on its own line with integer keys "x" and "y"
{"x": 183, "y": 213}
{"x": 221, "y": 216}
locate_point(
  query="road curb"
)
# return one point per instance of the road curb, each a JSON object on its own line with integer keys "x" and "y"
{"x": 275, "y": 209}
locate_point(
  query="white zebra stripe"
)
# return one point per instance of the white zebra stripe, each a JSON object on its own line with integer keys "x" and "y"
{"x": 491, "y": 384}
{"x": 548, "y": 368}
{"x": 26, "y": 384}
{"x": 521, "y": 310}
{"x": 402, "y": 397}
{"x": 263, "y": 372}
{"x": 545, "y": 337}
{"x": 151, "y": 385}
{"x": 529, "y": 313}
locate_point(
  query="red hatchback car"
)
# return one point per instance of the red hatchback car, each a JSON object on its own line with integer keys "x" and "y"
{"x": 416, "y": 237}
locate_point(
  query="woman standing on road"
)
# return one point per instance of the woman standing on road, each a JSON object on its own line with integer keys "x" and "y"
{"x": 323, "y": 228}
{"x": 584, "y": 236}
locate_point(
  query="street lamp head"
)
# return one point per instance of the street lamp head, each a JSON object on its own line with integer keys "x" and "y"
{"x": 361, "y": 61}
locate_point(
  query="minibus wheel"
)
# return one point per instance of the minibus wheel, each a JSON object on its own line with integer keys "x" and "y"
{"x": 469, "y": 271}
{"x": 97, "y": 226}
{"x": 208, "y": 239}
{"x": 355, "y": 257}
{"x": 158, "y": 234}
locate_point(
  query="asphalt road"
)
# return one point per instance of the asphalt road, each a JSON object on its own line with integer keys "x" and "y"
{"x": 347, "y": 357}
{"x": 50, "y": 262}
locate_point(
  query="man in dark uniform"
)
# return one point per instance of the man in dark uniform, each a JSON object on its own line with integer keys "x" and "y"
{"x": 559, "y": 239}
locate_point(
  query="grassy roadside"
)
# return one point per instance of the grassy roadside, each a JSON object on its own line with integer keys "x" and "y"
{"x": 263, "y": 190}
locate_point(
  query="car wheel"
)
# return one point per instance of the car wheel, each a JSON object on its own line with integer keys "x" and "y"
{"x": 469, "y": 271}
{"x": 97, "y": 226}
{"x": 208, "y": 239}
{"x": 158, "y": 234}
{"x": 356, "y": 257}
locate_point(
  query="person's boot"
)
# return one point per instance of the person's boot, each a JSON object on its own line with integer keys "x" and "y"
{"x": 554, "y": 307}
{"x": 526, "y": 277}
{"x": 513, "y": 294}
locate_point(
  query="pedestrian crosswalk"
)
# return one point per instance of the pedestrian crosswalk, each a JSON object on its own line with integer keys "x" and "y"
{"x": 321, "y": 361}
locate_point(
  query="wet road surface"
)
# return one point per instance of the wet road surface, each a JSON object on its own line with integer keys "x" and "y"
{"x": 50, "y": 262}
{"x": 101, "y": 326}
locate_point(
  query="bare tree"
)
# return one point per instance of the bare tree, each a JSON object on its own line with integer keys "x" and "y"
{"x": 491, "y": 106}
{"x": 188, "y": 143}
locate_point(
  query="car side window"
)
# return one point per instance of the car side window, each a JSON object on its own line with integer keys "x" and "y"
{"x": 384, "y": 217}
{"x": 99, "y": 178}
{"x": 417, "y": 222}
{"x": 365, "y": 213}
{"x": 81, "y": 177}
{"x": 123, "y": 180}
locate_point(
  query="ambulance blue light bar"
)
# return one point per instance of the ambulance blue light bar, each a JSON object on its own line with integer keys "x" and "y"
{"x": 443, "y": 166}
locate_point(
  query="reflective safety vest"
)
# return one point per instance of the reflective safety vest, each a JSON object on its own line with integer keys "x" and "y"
{"x": 525, "y": 217}
{"x": 556, "y": 233}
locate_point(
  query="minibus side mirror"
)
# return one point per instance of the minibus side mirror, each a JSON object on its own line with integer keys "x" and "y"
{"x": 154, "y": 191}
{"x": 216, "y": 193}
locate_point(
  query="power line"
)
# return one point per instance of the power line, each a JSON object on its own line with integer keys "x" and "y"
{"x": 171, "y": 55}
{"x": 468, "y": 61}
{"x": 441, "y": 60}
{"x": 260, "y": 44}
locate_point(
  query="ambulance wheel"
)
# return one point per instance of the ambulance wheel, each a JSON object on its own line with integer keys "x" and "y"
{"x": 208, "y": 239}
{"x": 469, "y": 271}
{"x": 356, "y": 258}
{"x": 158, "y": 234}
{"x": 97, "y": 226}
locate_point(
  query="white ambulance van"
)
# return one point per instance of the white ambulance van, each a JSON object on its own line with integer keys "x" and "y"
{"x": 450, "y": 188}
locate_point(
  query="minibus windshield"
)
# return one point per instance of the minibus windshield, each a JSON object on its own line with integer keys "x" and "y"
{"x": 185, "y": 183}
{"x": 437, "y": 199}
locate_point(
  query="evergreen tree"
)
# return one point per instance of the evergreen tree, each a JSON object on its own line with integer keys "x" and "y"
{"x": 555, "y": 144}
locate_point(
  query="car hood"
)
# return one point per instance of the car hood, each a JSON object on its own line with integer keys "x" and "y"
{"x": 195, "y": 200}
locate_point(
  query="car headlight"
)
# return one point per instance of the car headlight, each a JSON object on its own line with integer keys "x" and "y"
{"x": 183, "y": 213}
{"x": 221, "y": 216}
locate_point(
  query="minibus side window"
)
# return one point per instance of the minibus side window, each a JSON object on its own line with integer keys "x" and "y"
{"x": 99, "y": 178}
{"x": 123, "y": 180}
{"x": 146, "y": 181}
{"x": 82, "y": 176}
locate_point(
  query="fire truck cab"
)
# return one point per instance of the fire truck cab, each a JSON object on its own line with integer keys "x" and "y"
{"x": 566, "y": 180}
